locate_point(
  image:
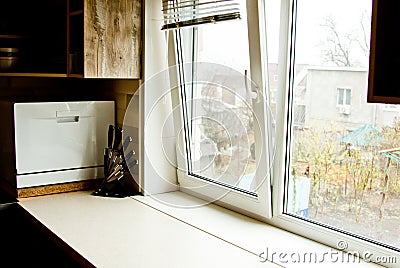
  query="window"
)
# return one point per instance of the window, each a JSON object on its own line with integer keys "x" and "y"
{"x": 339, "y": 188}
{"x": 225, "y": 118}
{"x": 344, "y": 96}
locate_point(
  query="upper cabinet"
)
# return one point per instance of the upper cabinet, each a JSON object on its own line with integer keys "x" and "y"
{"x": 71, "y": 38}
{"x": 32, "y": 37}
{"x": 384, "y": 58}
{"x": 104, "y": 38}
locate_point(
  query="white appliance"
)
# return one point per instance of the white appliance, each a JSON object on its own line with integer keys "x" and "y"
{"x": 58, "y": 142}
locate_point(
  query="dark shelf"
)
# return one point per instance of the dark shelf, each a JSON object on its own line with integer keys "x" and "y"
{"x": 38, "y": 30}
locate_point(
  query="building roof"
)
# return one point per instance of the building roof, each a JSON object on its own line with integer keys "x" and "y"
{"x": 366, "y": 135}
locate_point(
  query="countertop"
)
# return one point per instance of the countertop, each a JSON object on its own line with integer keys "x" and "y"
{"x": 169, "y": 230}
{"x": 123, "y": 232}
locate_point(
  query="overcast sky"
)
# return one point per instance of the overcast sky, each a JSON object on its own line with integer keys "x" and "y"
{"x": 311, "y": 14}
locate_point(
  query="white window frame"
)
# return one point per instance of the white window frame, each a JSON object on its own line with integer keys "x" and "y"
{"x": 345, "y": 89}
{"x": 260, "y": 206}
{"x": 311, "y": 229}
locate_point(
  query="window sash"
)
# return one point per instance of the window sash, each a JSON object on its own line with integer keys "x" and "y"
{"x": 308, "y": 228}
{"x": 258, "y": 205}
{"x": 341, "y": 96}
{"x": 348, "y": 96}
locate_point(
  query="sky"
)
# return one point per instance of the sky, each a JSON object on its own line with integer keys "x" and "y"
{"x": 311, "y": 14}
{"x": 219, "y": 42}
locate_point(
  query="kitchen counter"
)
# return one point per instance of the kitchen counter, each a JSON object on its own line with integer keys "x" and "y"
{"x": 146, "y": 232}
{"x": 113, "y": 232}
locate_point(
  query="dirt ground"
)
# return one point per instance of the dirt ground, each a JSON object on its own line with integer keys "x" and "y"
{"x": 339, "y": 214}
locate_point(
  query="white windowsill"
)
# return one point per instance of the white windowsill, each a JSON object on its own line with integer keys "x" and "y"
{"x": 152, "y": 231}
{"x": 261, "y": 239}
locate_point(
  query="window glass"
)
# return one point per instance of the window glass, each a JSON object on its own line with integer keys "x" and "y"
{"x": 219, "y": 105}
{"x": 224, "y": 113}
{"x": 341, "y": 96}
{"x": 348, "y": 96}
{"x": 222, "y": 144}
{"x": 344, "y": 168}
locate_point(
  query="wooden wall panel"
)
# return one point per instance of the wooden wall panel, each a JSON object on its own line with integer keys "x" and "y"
{"x": 112, "y": 38}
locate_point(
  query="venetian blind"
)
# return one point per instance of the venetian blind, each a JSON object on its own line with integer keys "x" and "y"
{"x": 183, "y": 13}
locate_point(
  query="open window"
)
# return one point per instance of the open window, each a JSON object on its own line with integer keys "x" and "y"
{"x": 282, "y": 149}
{"x": 224, "y": 125}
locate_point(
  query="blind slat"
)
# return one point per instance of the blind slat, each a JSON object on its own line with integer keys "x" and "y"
{"x": 185, "y": 4}
{"x": 199, "y": 9}
{"x": 190, "y": 13}
{"x": 187, "y": 16}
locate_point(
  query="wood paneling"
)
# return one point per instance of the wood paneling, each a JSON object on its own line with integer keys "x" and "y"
{"x": 112, "y": 38}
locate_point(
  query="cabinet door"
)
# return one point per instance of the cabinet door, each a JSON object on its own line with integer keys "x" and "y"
{"x": 35, "y": 31}
{"x": 112, "y": 37}
{"x": 384, "y": 58}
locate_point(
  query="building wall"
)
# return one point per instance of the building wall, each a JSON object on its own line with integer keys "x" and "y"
{"x": 322, "y": 100}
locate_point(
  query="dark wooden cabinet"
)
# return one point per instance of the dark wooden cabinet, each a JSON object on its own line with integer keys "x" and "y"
{"x": 36, "y": 30}
{"x": 72, "y": 38}
{"x": 384, "y": 57}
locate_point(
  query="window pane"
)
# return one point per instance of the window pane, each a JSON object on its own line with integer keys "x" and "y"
{"x": 348, "y": 96}
{"x": 341, "y": 95}
{"x": 344, "y": 166}
{"x": 219, "y": 110}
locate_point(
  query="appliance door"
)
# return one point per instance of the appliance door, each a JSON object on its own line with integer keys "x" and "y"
{"x": 59, "y": 136}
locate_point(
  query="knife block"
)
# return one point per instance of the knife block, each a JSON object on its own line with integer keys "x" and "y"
{"x": 118, "y": 180}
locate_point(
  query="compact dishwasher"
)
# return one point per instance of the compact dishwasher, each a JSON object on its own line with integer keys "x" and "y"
{"x": 53, "y": 142}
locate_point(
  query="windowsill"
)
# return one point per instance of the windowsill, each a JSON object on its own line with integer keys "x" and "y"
{"x": 256, "y": 237}
{"x": 151, "y": 232}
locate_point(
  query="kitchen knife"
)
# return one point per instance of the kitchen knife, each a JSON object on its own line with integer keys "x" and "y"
{"x": 129, "y": 155}
{"x": 113, "y": 158}
{"x": 117, "y": 176}
{"x": 106, "y": 160}
{"x": 115, "y": 171}
{"x": 117, "y": 160}
{"x": 126, "y": 142}
{"x": 132, "y": 163}
{"x": 118, "y": 138}
{"x": 107, "y": 151}
{"x": 110, "y": 135}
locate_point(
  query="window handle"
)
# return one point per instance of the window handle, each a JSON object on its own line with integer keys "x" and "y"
{"x": 253, "y": 92}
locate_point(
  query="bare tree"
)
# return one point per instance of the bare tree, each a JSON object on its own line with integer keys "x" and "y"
{"x": 350, "y": 48}
{"x": 364, "y": 39}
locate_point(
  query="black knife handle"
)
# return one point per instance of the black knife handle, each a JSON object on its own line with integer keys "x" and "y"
{"x": 132, "y": 163}
{"x": 118, "y": 138}
{"x": 127, "y": 140}
{"x": 110, "y": 136}
{"x": 129, "y": 155}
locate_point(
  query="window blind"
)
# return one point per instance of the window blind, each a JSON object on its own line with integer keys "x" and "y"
{"x": 183, "y": 13}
